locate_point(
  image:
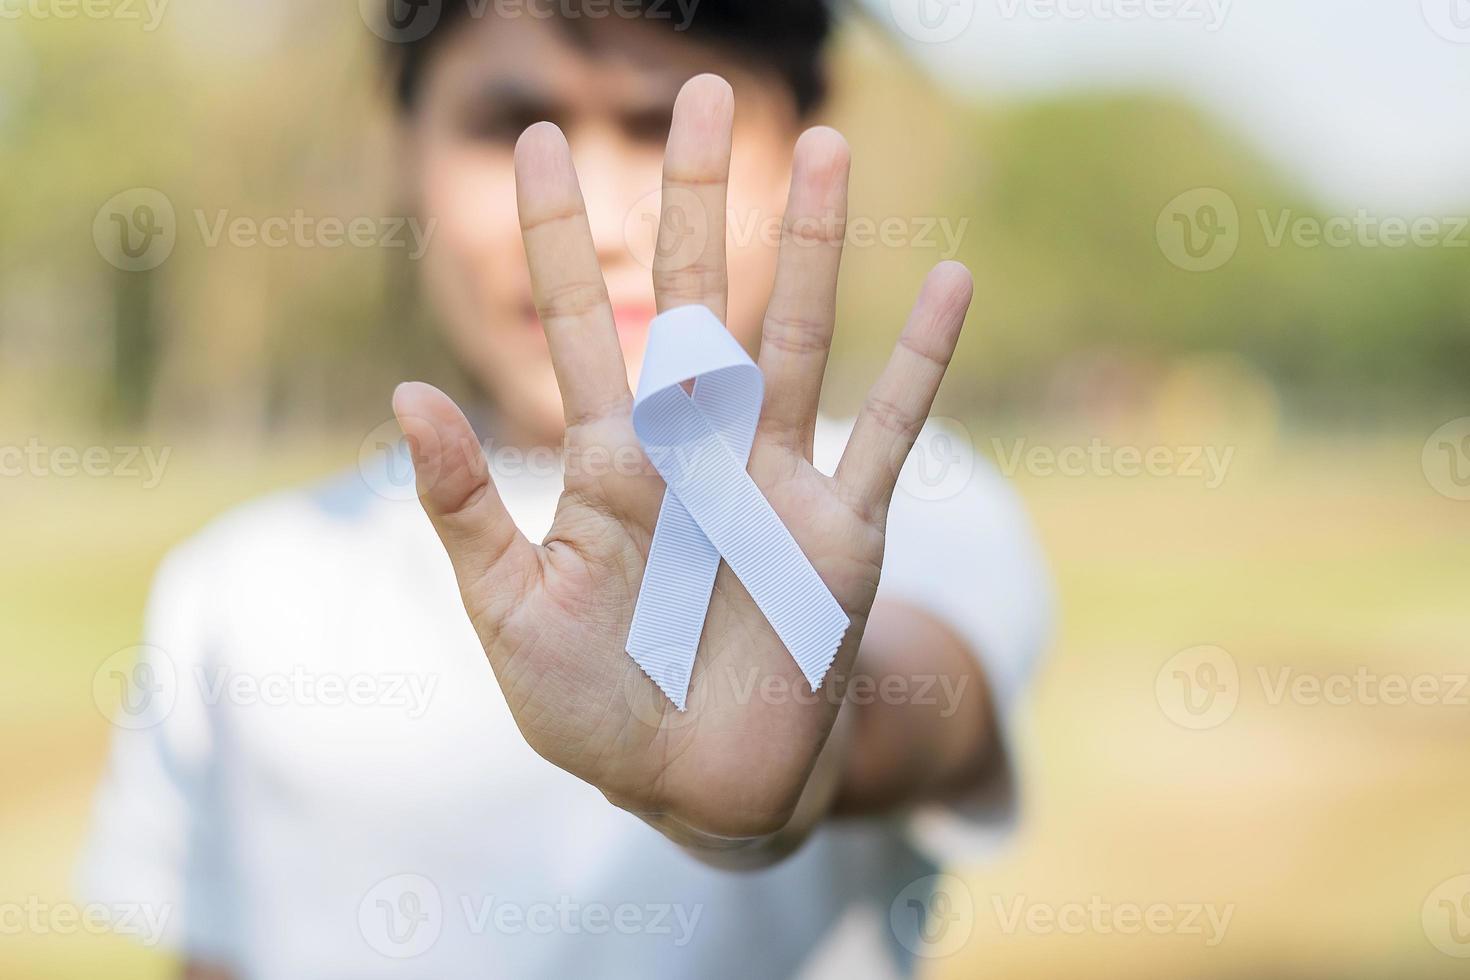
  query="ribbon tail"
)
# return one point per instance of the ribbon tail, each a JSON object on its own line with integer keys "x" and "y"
{"x": 739, "y": 523}
{"x": 673, "y": 600}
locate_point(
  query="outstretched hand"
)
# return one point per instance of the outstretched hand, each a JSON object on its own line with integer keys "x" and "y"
{"x": 554, "y": 618}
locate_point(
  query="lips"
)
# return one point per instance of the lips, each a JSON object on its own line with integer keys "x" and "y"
{"x": 633, "y": 319}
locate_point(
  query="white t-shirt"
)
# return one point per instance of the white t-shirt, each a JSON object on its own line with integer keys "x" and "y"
{"x": 317, "y": 776}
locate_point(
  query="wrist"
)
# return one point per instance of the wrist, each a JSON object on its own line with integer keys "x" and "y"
{"x": 747, "y": 853}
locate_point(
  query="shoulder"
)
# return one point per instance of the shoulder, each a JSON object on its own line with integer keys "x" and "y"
{"x": 318, "y": 533}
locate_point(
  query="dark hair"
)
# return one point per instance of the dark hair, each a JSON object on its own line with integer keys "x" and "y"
{"x": 784, "y": 36}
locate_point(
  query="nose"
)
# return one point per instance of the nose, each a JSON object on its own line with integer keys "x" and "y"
{"x": 610, "y": 176}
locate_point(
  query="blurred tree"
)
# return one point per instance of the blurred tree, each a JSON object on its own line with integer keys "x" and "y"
{"x": 272, "y": 109}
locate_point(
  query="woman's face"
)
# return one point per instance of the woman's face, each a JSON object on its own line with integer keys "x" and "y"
{"x": 610, "y": 85}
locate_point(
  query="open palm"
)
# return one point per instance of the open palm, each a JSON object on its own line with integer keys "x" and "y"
{"x": 554, "y": 619}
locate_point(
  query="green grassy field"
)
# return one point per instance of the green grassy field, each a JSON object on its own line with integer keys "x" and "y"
{"x": 1323, "y": 827}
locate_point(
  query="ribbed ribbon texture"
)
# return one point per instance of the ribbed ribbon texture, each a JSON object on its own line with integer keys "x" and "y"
{"x": 700, "y": 445}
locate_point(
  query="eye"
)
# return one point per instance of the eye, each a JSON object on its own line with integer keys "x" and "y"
{"x": 649, "y": 126}
{"x": 502, "y": 121}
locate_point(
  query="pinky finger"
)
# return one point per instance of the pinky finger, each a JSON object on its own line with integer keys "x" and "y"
{"x": 898, "y": 404}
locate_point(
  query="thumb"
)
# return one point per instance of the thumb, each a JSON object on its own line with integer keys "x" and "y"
{"x": 455, "y": 488}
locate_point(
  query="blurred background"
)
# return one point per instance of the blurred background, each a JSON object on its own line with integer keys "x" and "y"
{"x": 1221, "y": 342}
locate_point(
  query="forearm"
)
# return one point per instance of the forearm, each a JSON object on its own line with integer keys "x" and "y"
{"x": 924, "y": 726}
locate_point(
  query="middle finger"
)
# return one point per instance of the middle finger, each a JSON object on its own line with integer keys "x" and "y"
{"x": 689, "y": 262}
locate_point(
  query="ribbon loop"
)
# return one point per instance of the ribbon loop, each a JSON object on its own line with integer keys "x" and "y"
{"x": 700, "y": 444}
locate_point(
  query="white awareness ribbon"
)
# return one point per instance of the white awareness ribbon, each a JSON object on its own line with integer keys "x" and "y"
{"x": 700, "y": 445}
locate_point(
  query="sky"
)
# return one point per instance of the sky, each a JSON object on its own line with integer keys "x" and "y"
{"x": 1368, "y": 101}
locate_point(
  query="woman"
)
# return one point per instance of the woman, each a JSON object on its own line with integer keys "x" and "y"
{"x": 405, "y": 811}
